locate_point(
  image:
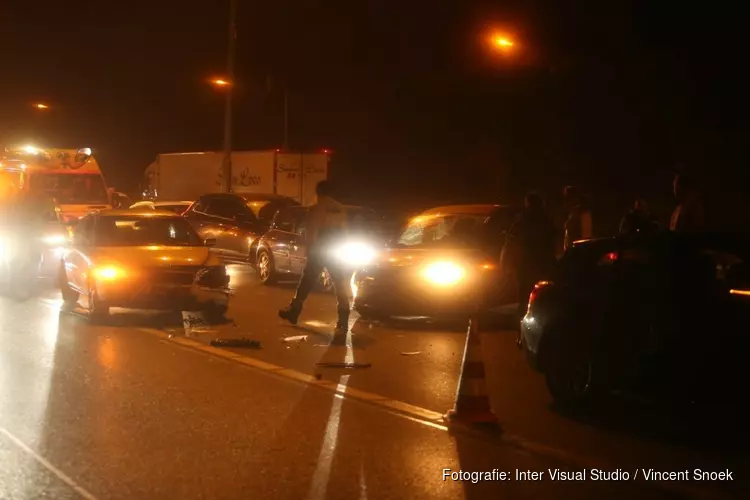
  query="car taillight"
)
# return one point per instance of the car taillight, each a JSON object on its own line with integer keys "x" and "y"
{"x": 537, "y": 290}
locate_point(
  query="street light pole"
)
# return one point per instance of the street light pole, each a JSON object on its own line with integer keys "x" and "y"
{"x": 227, "y": 163}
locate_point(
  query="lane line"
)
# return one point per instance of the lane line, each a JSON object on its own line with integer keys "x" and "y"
{"x": 433, "y": 419}
{"x": 51, "y": 468}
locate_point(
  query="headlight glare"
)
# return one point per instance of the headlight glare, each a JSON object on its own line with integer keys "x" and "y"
{"x": 55, "y": 239}
{"x": 108, "y": 273}
{"x": 355, "y": 253}
{"x": 444, "y": 273}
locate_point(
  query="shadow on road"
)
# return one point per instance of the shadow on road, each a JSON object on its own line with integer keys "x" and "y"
{"x": 711, "y": 429}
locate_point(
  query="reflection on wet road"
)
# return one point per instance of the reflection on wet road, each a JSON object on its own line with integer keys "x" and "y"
{"x": 111, "y": 412}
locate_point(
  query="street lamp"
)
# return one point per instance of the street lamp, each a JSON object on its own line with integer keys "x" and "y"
{"x": 502, "y": 42}
{"x": 220, "y": 82}
{"x": 41, "y": 106}
{"x": 227, "y": 163}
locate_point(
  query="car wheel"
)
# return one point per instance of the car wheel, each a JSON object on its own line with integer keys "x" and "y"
{"x": 266, "y": 271}
{"x": 69, "y": 296}
{"x": 98, "y": 310}
{"x": 571, "y": 381}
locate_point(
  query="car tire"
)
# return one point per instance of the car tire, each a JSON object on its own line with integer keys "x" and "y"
{"x": 265, "y": 268}
{"x": 98, "y": 310}
{"x": 572, "y": 381}
{"x": 69, "y": 296}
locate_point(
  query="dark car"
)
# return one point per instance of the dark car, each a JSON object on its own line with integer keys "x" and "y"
{"x": 282, "y": 253}
{"x": 236, "y": 221}
{"x": 444, "y": 263}
{"x": 662, "y": 315}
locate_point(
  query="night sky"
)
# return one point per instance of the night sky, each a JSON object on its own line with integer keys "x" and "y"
{"x": 613, "y": 95}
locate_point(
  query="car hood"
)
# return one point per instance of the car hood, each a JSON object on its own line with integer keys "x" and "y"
{"x": 395, "y": 258}
{"x": 156, "y": 256}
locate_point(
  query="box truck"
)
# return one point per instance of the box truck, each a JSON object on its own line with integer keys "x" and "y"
{"x": 187, "y": 176}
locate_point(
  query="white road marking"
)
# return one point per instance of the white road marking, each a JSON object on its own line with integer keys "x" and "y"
{"x": 45, "y": 463}
{"x": 321, "y": 477}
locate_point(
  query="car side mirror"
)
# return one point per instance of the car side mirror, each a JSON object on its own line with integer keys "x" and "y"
{"x": 210, "y": 242}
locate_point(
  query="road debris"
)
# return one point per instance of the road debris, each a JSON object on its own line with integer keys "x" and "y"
{"x": 296, "y": 338}
{"x": 243, "y": 342}
{"x": 411, "y": 353}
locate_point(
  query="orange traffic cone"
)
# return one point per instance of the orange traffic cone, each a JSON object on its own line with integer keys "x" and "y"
{"x": 472, "y": 401}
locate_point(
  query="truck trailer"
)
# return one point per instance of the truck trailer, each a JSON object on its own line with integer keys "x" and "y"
{"x": 187, "y": 176}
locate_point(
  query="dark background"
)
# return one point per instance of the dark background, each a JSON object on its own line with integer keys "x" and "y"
{"x": 613, "y": 95}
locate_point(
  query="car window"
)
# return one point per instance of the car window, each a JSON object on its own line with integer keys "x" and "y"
{"x": 459, "y": 229}
{"x": 226, "y": 208}
{"x": 300, "y": 217}
{"x": 134, "y": 230}
{"x": 200, "y": 206}
{"x": 284, "y": 220}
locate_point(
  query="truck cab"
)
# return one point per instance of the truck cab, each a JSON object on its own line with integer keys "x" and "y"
{"x": 70, "y": 177}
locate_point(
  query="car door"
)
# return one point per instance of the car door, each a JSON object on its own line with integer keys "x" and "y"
{"x": 279, "y": 239}
{"x": 218, "y": 222}
{"x": 297, "y": 247}
{"x": 239, "y": 225}
{"x": 77, "y": 258}
{"x": 198, "y": 217}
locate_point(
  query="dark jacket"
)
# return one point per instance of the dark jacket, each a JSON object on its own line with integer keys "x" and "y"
{"x": 637, "y": 221}
{"x": 531, "y": 243}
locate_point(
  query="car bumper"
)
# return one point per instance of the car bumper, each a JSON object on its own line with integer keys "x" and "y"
{"x": 183, "y": 297}
{"x": 404, "y": 299}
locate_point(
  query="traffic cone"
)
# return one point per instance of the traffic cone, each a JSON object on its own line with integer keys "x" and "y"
{"x": 472, "y": 405}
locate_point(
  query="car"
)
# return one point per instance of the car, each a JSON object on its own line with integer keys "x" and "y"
{"x": 282, "y": 253}
{"x": 444, "y": 264}
{"x": 236, "y": 221}
{"x": 178, "y": 207}
{"x": 656, "y": 316}
{"x": 142, "y": 259}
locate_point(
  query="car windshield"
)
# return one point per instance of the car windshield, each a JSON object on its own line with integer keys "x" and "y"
{"x": 133, "y": 231}
{"x": 71, "y": 189}
{"x": 439, "y": 230}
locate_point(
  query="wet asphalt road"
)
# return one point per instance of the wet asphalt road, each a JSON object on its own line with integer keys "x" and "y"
{"x": 111, "y": 412}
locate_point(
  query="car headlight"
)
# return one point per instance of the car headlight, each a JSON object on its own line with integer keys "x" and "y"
{"x": 109, "y": 273}
{"x": 444, "y": 273}
{"x": 55, "y": 239}
{"x": 355, "y": 253}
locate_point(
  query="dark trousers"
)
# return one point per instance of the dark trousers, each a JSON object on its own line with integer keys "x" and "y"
{"x": 311, "y": 277}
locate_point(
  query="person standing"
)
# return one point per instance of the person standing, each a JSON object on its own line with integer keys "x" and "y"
{"x": 530, "y": 248}
{"x": 325, "y": 224}
{"x": 579, "y": 224}
{"x": 639, "y": 219}
{"x": 689, "y": 216}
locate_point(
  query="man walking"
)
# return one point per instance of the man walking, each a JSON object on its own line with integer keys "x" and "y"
{"x": 326, "y": 224}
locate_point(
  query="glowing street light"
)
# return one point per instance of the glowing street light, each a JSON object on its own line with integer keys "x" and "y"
{"x": 220, "y": 82}
{"x": 41, "y": 106}
{"x": 502, "y": 42}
